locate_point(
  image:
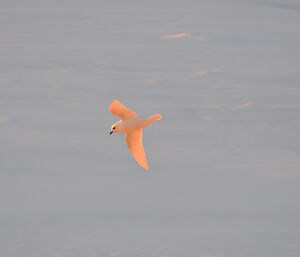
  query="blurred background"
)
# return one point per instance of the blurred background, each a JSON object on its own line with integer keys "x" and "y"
{"x": 224, "y": 162}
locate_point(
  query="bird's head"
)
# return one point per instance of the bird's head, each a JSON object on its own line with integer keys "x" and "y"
{"x": 115, "y": 128}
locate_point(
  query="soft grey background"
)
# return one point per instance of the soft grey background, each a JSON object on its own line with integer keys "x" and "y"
{"x": 224, "y": 175}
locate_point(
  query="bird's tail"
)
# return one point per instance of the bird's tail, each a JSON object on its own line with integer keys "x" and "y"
{"x": 156, "y": 117}
{"x": 149, "y": 120}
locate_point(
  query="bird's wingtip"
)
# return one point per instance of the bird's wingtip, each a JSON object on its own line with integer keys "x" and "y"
{"x": 113, "y": 104}
{"x": 158, "y": 116}
{"x": 145, "y": 166}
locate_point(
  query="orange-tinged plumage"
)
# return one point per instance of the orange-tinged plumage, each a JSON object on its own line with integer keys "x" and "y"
{"x": 132, "y": 125}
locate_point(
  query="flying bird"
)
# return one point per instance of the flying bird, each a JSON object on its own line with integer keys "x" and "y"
{"x": 132, "y": 124}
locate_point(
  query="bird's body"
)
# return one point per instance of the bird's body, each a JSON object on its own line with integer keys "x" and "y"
{"x": 132, "y": 124}
{"x": 135, "y": 123}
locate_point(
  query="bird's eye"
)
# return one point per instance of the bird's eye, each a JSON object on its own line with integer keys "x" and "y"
{"x": 114, "y": 127}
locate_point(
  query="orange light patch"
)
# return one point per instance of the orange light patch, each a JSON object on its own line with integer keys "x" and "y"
{"x": 60, "y": 70}
{"x": 57, "y": 85}
{"x": 245, "y": 105}
{"x": 115, "y": 254}
{"x": 204, "y": 72}
{"x": 176, "y": 35}
{"x": 208, "y": 117}
{"x": 3, "y": 118}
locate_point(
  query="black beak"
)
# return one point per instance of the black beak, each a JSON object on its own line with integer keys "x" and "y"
{"x": 111, "y": 132}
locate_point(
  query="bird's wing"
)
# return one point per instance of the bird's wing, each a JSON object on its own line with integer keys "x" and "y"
{"x": 120, "y": 110}
{"x": 134, "y": 142}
